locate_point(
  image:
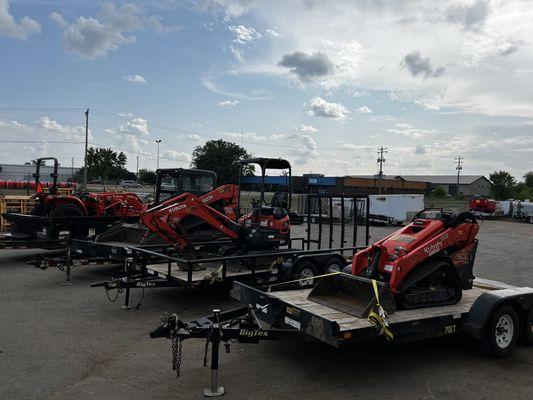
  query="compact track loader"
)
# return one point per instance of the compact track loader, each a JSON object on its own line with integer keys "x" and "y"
{"x": 427, "y": 263}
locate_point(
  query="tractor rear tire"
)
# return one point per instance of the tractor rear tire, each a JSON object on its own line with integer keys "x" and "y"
{"x": 67, "y": 210}
{"x": 501, "y": 333}
{"x": 40, "y": 210}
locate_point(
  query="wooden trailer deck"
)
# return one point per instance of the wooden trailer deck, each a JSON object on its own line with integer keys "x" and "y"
{"x": 298, "y": 298}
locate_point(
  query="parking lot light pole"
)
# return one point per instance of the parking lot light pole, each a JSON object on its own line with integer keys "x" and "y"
{"x": 158, "y": 141}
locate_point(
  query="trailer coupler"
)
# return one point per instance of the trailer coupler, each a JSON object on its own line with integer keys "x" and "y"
{"x": 239, "y": 325}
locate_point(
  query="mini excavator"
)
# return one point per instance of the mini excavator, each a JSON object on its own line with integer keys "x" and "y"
{"x": 424, "y": 264}
{"x": 186, "y": 219}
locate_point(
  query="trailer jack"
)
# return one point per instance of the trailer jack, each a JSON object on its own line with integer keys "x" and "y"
{"x": 238, "y": 325}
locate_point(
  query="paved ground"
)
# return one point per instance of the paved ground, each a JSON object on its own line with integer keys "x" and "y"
{"x": 70, "y": 343}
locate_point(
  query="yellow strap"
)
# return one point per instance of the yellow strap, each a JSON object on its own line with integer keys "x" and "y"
{"x": 376, "y": 291}
{"x": 214, "y": 276}
{"x": 303, "y": 279}
{"x": 379, "y": 319}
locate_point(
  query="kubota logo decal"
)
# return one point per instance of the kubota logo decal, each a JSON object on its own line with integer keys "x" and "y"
{"x": 433, "y": 248}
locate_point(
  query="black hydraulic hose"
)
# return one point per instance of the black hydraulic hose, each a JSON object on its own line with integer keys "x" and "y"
{"x": 373, "y": 271}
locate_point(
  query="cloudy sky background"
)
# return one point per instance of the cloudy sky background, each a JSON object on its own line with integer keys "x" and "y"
{"x": 323, "y": 84}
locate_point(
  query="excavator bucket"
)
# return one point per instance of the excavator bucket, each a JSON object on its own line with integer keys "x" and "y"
{"x": 353, "y": 295}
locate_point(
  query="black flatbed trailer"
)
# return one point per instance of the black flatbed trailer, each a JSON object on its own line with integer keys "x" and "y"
{"x": 153, "y": 268}
{"x": 48, "y": 233}
{"x": 495, "y": 313}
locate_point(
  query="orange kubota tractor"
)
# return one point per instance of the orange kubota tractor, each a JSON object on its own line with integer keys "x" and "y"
{"x": 187, "y": 218}
{"x": 426, "y": 263}
{"x": 52, "y": 204}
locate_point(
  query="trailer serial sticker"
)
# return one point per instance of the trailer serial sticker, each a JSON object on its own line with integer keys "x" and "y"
{"x": 292, "y": 322}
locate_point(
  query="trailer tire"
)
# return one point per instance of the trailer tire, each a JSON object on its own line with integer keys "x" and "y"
{"x": 313, "y": 220}
{"x": 501, "y": 332}
{"x": 304, "y": 270}
{"x": 347, "y": 269}
{"x": 333, "y": 264}
{"x": 526, "y": 331}
{"x": 67, "y": 210}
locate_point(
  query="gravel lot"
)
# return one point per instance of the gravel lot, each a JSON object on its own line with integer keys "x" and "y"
{"x": 61, "y": 342}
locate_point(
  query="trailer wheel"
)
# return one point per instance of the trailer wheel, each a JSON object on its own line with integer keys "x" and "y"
{"x": 67, "y": 210}
{"x": 313, "y": 220}
{"x": 501, "y": 332}
{"x": 526, "y": 333}
{"x": 304, "y": 271}
{"x": 334, "y": 264}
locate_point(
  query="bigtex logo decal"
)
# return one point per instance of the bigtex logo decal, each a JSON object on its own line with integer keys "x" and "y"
{"x": 253, "y": 333}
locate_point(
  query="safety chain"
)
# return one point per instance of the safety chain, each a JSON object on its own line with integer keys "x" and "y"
{"x": 176, "y": 354}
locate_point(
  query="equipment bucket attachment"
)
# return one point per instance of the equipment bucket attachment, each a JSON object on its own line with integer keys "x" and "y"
{"x": 353, "y": 295}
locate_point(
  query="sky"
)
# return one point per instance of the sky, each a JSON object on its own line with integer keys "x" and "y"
{"x": 323, "y": 84}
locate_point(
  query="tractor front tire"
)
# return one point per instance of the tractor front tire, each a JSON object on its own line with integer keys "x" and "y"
{"x": 501, "y": 333}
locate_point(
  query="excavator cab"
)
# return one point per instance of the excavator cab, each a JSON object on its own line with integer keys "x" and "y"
{"x": 265, "y": 220}
{"x": 172, "y": 182}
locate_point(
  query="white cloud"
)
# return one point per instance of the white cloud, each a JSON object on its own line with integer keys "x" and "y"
{"x": 135, "y": 78}
{"x": 321, "y": 108}
{"x": 461, "y": 54}
{"x": 244, "y": 34}
{"x": 9, "y": 27}
{"x": 364, "y": 110}
{"x": 138, "y": 126}
{"x": 50, "y": 125}
{"x": 307, "y": 128}
{"x": 91, "y": 37}
{"x": 179, "y": 156}
{"x": 410, "y": 131}
{"x": 247, "y": 136}
{"x": 194, "y": 137}
{"x": 237, "y": 53}
{"x": 228, "y": 103}
{"x": 273, "y": 33}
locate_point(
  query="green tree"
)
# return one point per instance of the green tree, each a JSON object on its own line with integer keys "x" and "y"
{"x": 503, "y": 185}
{"x": 528, "y": 179}
{"x": 222, "y": 157}
{"x": 523, "y": 191}
{"x": 106, "y": 164}
{"x": 146, "y": 176}
{"x": 438, "y": 192}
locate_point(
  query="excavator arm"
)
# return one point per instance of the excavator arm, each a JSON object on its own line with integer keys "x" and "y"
{"x": 168, "y": 219}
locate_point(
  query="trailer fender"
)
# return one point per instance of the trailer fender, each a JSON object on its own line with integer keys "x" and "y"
{"x": 521, "y": 298}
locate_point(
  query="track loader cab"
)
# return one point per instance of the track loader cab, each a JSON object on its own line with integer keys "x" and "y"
{"x": 265, "y": 220}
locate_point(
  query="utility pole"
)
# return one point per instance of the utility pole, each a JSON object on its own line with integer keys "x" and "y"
{"x": 72, "y": 170}
{"x": 381, "y": 160}
{"x": 459, "y": 167}
{"x": 158, "y": 141}
{"x": 84, "y": 183}
{"x": 137, "y": 170}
